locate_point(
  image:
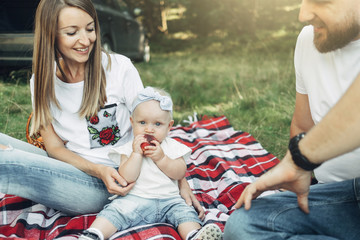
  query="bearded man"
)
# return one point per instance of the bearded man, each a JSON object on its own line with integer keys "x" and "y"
{"x": 327, "y": 68}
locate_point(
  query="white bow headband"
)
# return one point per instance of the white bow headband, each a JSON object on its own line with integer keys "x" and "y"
{"x": 148, "y": 94}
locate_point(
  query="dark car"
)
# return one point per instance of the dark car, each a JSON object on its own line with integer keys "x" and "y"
{"x": 120, "y": 31}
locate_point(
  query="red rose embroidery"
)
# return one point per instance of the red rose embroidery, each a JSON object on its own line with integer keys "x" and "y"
{"x": 94, "y": 120}
{"x": 106, "y": 136}
{"x": 103, "y": 129}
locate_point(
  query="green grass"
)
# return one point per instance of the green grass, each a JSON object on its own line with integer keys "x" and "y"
{"x": 252, "y": 84}
{"x": 15, "y": 105}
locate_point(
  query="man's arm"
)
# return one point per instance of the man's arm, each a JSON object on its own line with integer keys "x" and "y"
{"x": 302, "y": 120}
{"x": 337, "y": 133}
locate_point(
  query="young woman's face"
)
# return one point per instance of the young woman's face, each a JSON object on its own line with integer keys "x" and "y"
{"x": 75, "y": 35}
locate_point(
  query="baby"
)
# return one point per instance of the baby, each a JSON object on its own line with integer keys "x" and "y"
{"x": 155, "y": 162}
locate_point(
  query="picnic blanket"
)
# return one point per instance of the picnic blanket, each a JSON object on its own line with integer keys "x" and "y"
{"x": 222, "y": 163}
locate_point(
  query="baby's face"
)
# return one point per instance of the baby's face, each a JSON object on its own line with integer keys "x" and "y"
{"x": 149, "y": 118}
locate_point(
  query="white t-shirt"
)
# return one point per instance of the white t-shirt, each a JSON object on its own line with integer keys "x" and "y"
{"x": 325, "y": 77}
{"x": 93, "y": 138}
{"x": 152, "y": 182}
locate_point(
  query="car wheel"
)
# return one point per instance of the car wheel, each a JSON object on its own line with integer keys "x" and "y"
{"x": 146, "y": 56}
{"x": 107, "y": 45}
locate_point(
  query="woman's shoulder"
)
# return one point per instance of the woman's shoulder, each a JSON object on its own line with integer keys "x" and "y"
{"x": 121, "y": 75}
{"x": 115, "y": 60}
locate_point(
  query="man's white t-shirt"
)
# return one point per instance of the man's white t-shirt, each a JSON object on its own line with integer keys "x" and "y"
{"x": 325, "y": 77}
{"x": 152, "y": 182}
{"x": 93, "y": 138}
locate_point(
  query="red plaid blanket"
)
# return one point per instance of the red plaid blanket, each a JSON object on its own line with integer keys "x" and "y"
{"x": 222, "y": 163}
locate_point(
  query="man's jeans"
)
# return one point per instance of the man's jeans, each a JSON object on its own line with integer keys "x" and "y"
{"x": 334, "y": 214}
{"x": 28, "y": 172}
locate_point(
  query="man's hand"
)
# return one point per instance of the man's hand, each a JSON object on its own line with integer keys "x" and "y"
{"x": 286, "y": 175}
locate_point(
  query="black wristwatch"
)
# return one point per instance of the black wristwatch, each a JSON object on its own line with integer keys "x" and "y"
{"x": 299, "y": 159}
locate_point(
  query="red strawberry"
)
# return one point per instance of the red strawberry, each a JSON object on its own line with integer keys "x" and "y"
{"x": 149, "y": 138}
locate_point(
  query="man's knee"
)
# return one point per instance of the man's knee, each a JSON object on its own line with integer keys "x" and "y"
{"x": 238, "y": 224}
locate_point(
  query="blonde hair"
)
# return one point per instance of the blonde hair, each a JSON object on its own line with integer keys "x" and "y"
{"x": 45, "y": 54}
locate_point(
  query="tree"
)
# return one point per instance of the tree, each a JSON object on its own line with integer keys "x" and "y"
{"x": 233, "y": 17}
{"x": 154, "y": 13}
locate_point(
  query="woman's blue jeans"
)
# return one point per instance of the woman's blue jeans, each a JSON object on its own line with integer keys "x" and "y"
{"x": 334, "y": 214}
{"x": 28, "y": 172}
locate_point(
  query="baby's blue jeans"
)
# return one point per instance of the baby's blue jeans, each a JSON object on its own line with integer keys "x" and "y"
{"x": 131, "y": 210}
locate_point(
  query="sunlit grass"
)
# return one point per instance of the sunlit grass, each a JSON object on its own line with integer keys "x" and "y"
{"x": 252, "y": 84}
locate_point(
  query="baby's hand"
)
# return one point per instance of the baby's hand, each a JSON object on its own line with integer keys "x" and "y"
{"x": 155, "y": 152}
{"x": 139, "y": 140}
{"x": 148, "y": 142}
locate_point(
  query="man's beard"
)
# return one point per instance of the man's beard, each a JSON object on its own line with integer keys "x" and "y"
{"x": 337, "y": 38}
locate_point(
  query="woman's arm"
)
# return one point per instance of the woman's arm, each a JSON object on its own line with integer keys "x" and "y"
{"x": 56, "y": 149}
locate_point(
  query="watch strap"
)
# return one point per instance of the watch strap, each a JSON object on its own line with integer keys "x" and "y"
{"x": 299, "y": 159}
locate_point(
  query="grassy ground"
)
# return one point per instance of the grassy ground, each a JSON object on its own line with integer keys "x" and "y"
{"x": 252, "y": 84}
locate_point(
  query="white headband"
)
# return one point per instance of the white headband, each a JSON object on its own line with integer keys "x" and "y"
{"x": 148, "y": 94}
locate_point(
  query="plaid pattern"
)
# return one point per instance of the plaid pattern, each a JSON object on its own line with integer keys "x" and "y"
{"x": 222, "y": 163}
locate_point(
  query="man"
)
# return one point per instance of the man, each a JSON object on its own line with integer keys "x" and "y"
{"x": 327, "y": 65}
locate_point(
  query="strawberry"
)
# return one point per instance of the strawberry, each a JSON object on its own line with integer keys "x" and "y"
{"x": 149, "y": 138}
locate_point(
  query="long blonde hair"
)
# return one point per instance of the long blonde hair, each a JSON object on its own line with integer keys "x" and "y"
{"x": 45, "y": 54}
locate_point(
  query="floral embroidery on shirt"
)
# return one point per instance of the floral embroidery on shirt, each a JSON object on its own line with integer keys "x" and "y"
{"x": 106, "y": 135}
{"x": 106, "y": 114}
{"x": 94, "y": 120}
{"x": 103, "y": 127}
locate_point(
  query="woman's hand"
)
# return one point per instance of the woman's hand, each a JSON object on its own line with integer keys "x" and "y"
{"x": 190, "y": 198}
{"x": 286, "y": 175}
{"x": 112, "y": 180}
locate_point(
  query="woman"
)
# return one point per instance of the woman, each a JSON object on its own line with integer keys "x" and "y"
{"x": 81, "y": 108}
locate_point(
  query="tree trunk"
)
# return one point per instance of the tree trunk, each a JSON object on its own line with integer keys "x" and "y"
{"x": 149, "y": 16}
{"x": 163, "y": 28}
